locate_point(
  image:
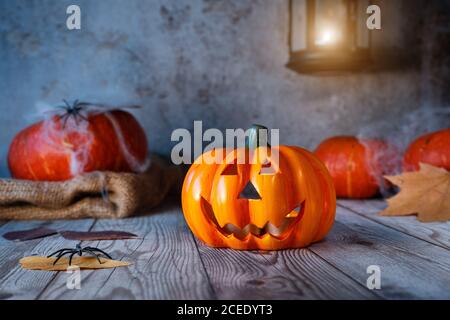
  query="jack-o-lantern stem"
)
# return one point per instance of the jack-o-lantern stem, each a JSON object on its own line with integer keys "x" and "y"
{"x": 257, "y": 136}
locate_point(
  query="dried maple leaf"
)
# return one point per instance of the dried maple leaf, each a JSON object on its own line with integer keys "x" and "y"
{"x": 425, "y": 192}
{"x": 97, "y": 235}
{"x": 44, "y": 263}
{"x": 30, "y": 234}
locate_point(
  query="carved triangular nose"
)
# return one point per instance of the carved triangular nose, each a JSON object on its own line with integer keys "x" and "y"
{"x": 250, "y": 192}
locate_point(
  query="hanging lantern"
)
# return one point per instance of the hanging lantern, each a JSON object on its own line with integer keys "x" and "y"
{"x": 328, "y": 35}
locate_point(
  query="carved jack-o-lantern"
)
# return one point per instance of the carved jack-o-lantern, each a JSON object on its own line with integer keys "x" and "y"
{"x": 242, "y": 206}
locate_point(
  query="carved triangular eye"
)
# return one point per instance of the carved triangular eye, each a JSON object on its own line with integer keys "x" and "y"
{"x": 250, "y": 192}
{"x": 230, "y": 170}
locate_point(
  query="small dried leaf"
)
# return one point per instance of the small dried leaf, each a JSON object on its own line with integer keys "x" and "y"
{"x": 30, "y": 234}
{"x": 44, "y": 263}
{"x": 425, "y": 193}
{"x": 97, "y": 235}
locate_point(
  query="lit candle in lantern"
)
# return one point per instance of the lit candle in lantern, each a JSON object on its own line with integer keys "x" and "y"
{"x": 327, "y": 37}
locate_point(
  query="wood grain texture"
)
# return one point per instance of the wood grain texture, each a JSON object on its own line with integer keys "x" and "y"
{"x": 165, "y": 263}
{"x": 286, "y": 274}
{"x": 410, "y": 268}
{"x": 168, "y": 263}
{"x": 437, "y": 233}
{"x": 17, "y": 283}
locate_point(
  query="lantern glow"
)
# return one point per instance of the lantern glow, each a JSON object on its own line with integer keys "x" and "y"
{"x": 328, "y": 35}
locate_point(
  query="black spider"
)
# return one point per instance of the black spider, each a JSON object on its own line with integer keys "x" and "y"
{"x": 73, "y": 110}
{"x": 78, "y": 250}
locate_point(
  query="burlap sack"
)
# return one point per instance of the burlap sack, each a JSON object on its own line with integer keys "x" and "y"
{"x": 93, "y": 195}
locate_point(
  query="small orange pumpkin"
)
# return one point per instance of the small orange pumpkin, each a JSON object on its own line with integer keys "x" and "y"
{"x": 357, "y": 166}
{"x": 291, "y": 206}
{"x": 432, "y": 148}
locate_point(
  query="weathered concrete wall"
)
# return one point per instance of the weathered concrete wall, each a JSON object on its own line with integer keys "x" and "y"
{"x": 213, "y": 60}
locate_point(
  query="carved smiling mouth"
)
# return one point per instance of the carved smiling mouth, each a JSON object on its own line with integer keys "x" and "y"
{"x": 242, "y": 233}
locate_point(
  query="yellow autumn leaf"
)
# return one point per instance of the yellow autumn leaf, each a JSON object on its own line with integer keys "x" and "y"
{"x": 425, "y": 192}
{"x": 44, "y": 263}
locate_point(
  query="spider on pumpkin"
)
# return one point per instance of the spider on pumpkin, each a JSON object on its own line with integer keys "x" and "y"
{"x": 75, "y": 110}
{"x": 78, "y": 250}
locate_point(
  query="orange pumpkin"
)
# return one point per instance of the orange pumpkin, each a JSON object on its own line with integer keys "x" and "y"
{"x": 292, "y": 205}
{"x": 432, "y": 148}
{"x": 357, "y": 166}
{"x": 78, "y": 141}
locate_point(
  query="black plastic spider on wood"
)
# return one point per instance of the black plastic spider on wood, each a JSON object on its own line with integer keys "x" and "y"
{"x": 78, "y": 250}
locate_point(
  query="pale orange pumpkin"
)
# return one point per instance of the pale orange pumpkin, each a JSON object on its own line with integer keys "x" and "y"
{"x": 293, "y": 206}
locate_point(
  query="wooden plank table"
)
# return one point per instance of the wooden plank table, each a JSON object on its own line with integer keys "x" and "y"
{"x": 168, "y": 262}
